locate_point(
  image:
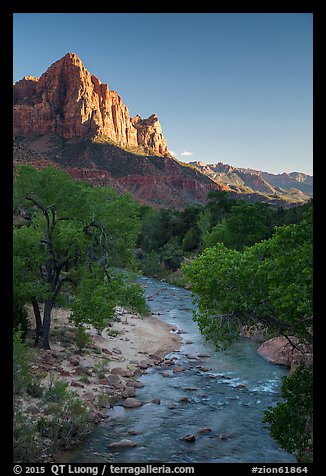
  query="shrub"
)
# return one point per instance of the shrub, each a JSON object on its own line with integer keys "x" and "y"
{"x": 24, "y": 446}
{"x": 150, "y": 264}
{"x": 82, "y": 338}
{"x": 22, "y": 376}
{"x": 20, "y": 317}
{"x": 291, "y": 420}
{"x": 69, "y": 418}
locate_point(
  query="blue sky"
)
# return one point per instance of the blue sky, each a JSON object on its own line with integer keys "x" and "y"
{"x": 233, "y": 88}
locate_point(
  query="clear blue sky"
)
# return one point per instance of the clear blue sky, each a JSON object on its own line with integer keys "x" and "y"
{"x": 232, "y": 88}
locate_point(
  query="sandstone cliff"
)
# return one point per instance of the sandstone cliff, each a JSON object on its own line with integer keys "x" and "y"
{"x": 67, "y": 100}
{"x": 151, "y": 179}
{"x": 293, "y": 188}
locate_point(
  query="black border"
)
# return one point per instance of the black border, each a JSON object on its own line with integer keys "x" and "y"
{"x": 50, "y": 6}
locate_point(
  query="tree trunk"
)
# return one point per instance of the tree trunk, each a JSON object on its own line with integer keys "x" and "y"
{"x": 48, "y": 305}
{"x": 38, "y": 321}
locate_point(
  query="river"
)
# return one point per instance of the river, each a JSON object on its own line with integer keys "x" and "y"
{"x": 225, "y": 391}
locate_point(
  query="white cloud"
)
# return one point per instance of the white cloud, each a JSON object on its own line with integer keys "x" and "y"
{"x": 185, "y": 153}
{"x": 173, "y": 153}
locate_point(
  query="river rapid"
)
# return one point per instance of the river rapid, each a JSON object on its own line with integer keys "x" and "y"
{"x": 225, "y": 391}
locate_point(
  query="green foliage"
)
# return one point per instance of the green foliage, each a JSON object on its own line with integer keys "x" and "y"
{"x": 235, "y": 223}
{"x": 22, "y": 374}
{"x": 290, "y": 421}
{"x": 104, "y": 400}
{"x": 131, "y": 297}
{"x": 99, "y": 292}
{"x": 245, "y": 225}
{"x": 20, "y": 317}
{"x": 56, "y": 392}
{"x": 71, "y": 225}
{"x": 270, "y": 282}
{"x": 94, "y": 303}
{"x": 204, "y": 225}
{"x": 102, "y": 367}
{"x": 24, "y": 446}
{"x": 28, "y": 257}
{"x": 172, "y": 254}
{"x": 83, "y": 339}
{"x": 69, "y": 416}
{"x": 219, "y": 204}
{"x": 191, "y": 239}
{"x": 150, "y": 263}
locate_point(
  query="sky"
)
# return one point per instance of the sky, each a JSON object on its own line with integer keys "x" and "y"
{"x": 227, "y": 87}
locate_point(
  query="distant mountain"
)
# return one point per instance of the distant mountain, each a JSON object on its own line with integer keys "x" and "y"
{"x": 69, "y": 119}
{"x": 291, "y": 187}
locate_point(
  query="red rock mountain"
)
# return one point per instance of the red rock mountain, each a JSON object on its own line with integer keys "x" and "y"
{"x": 67, "y": 100}
{"x": 69, "y": 119}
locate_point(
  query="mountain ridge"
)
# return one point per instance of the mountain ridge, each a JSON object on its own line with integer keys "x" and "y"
{"x": 238, "y": 178}
{"x": 70, "y": 119}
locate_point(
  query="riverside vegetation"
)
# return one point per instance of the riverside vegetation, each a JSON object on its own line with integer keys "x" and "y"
{"x": 71, "y": 242}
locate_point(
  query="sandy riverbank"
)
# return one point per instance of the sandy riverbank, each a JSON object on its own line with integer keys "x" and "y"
{"x": 106, "y": 370}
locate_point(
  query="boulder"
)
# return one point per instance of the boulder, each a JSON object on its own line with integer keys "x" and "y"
{"x": 136, "y": 384}
{"x": 279, "y": 351}
{"x": 128, "y": 392}
{"x": 124, "y": 443}
{"x": 185, "y": 400}
{"x": 33, "y": 408}
{"x": 122, "y": 372}
{"x": 205, "y": 430}
{"x": 189, "y": 438}
{"x": 131, "y": 403}
{"x": 113, "y": 380}
{"x": 77, "y": 384}
{"x": 177, "y": 369}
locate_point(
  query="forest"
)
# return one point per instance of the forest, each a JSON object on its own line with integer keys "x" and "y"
{"x": 78, "y": 246}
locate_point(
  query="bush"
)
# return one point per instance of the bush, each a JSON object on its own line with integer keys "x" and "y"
{"x": 291, "y": 420}
{"x": 150, "y": 264}
{"x": 24, "y": 446}
{"x": 22, "y": 375}
{"x": 172, "y": 254}
{"x": 20, "y": 317}
{"x": 69, "y": 418}
{"x": 82, "y": 338}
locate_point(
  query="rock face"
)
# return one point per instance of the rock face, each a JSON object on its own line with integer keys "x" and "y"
{"x": 279, "y": 351}
{"x": 154, "y": 180}
{"x": 67, "y": 100}
{"x": 294, "y": 187}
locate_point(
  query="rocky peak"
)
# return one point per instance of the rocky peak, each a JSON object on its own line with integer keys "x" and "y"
{"x": 24, "y": 88}
{"x": 67, "y": 100}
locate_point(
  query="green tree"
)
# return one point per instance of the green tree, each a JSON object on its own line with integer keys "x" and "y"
{"x": 270, "y": 282}
{"x": 71, "y": 226}
{"x": 191, "y": 239}
{"x": 219, "y": 203}
{"x": 172, "y": 254}
{"x": 245, "y": 225}
{"x": 290, "y": 421}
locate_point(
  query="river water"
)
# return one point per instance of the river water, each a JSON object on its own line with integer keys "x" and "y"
{"x": 214, "y": 399}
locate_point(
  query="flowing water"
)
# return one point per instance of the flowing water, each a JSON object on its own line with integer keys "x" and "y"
{"x": 226, "y": 391}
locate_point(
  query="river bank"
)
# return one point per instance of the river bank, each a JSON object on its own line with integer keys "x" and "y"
{"x": 197, "y": 405}
{"x": 106, "y": 371}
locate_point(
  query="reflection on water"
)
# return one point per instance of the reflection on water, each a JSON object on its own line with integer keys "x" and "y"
{"x": 226, "y": 392}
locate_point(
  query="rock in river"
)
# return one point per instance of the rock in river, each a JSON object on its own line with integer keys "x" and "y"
{"x": 132, "y": 403}
{"x": 189, "y": 438}
{"x": 123, "y": 444}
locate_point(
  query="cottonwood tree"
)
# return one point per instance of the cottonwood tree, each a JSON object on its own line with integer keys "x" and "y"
{"x": 269, "y": 282}
{"x": 71, "y": 227}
